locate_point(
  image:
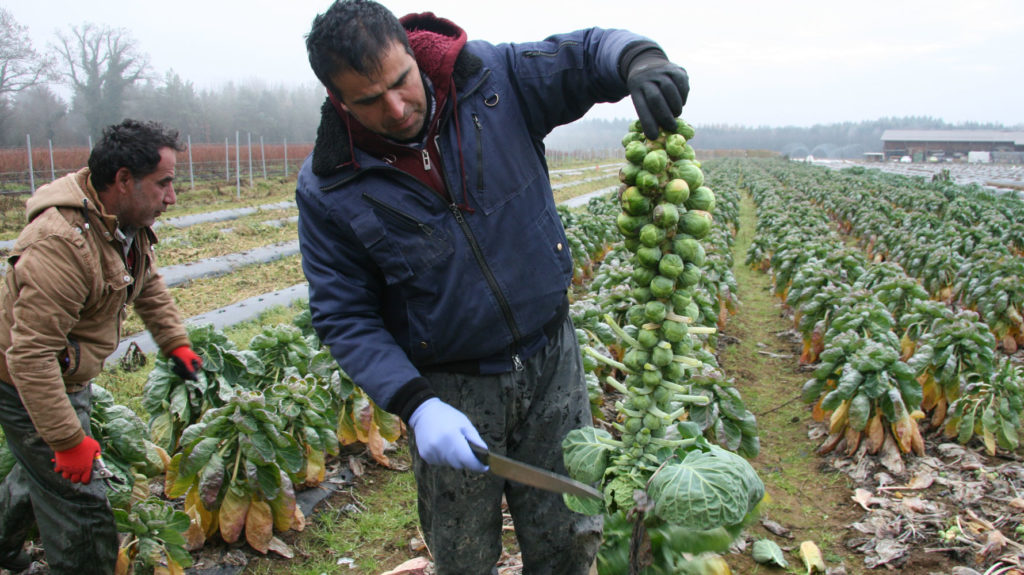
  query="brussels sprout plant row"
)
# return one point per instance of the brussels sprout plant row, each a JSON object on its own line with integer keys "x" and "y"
{"x": 914, "y": 328}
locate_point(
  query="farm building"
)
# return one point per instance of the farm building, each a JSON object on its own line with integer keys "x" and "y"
{"x": 922, "y": 145}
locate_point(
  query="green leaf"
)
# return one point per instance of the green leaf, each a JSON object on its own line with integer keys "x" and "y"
{"x": 585, "y": 452}
{"x": 767, "y": 552}
{"x": 706, "y": 490}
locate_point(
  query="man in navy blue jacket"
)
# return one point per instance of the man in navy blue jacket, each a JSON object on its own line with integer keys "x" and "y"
{"x": 438, "y": 267}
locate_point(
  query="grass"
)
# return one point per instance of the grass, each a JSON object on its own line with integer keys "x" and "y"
{"x": 368, "y": 528}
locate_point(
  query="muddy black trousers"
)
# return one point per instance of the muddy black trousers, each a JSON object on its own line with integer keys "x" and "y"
{"x": 75, "y": 521}
{"x": 525, "y": 415}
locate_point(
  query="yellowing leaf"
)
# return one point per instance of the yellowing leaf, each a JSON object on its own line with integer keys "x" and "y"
{"x": 233, "y": 511}
{"x": 316, "y": 468}
{"x": 375, "y": 444}
{"x": 124, "y": 562}
{"x": 811, "y": 556}
{"x": 259, "y": 525}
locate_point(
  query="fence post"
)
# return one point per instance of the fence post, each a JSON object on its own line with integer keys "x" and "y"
{"x": 250, "y": 159}
{"x": 31, "y": 173}
{"x": 227, "y": 162}
{"x": 191, "y": 174}
{"x": 238, "y": 170}
{"x": 53, "y": 174}
{"x": 286, "y": 158}
{"x": 263, "y": 158}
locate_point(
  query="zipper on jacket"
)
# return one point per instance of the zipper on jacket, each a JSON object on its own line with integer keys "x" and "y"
{"x": 426, "y": 229}
{"x": 506, "y": 309}
{"x": 479, "y": 151}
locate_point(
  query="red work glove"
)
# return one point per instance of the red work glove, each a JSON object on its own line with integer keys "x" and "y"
{"x": 75, "y": 464}
{"x": 186, "y": 362}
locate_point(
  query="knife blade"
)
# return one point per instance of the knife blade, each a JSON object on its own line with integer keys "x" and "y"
{"x": 533, "y": 476}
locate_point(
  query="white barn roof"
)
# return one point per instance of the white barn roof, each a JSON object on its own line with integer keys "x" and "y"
{"x": 953, "y": 136}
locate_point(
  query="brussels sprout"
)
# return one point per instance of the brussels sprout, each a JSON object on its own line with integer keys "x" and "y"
{"x": 648, "y": 256}
{"x": 690, "y": 276}
{"x": 655, "y": 311}
{"x": 655, "y": 161}
{"x": 665, "y": 215}
{"x": 701, "y": 199}
{"x": 677, "y": 191}
{"x": 648, "y": 338}
{"x": 634, "y": 202}
{"x": 696, "y": 223}
{"x": 635, "y": 151}
{"x": 647, "y": 182}
{"x": 651, "y": 376}
{"x": 635, "y": 359}
{"x": 631, "y": 137}
{"x": 680, "y": 299}
{"x": 684, "y": 129}
{"x": 661, "y": 355}
{"x": 689, "y": 249}
{"x": 689, "y": 171}
{"x": 673, "y": 331}
{"x": 630, "y": 225}
{"x": 642, "y": 294}
{"x": 643, "y": 275}
{"x": 662, "y": 286}
{"x": 652, "y": 235}
{"x": 675, "y": 146}
{"x": 670, "y": 265}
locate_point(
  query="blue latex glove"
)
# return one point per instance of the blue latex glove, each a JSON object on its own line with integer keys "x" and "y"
{"x": 443, "y": 434}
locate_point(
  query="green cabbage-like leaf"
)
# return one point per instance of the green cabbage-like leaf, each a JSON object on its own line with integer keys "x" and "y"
{"x": 585, "y": 454}
{"x": 767, "y": 552}
{"x": 706, "y": 490}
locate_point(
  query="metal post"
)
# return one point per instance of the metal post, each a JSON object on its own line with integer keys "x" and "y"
{"x": 191, "y": 173}
{"x": 250, "y": 159}
{"x": 263, "y": 158}
{"x": 31, "y": 173}
{"x": 286, "y": 157}
{"x": 53, "y": 174}
{"x": 90, "y": 142}
{"x": 238, "y": 170}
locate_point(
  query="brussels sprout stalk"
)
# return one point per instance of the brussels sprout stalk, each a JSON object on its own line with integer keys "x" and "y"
{"x": 607, "y": 360}
{"x": 625, "y": 337}
{"x": 614, "y": 384}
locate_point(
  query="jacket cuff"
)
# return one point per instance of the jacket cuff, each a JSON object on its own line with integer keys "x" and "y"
{"x": 409, "y": 397}
{"x": 633, "y": 50}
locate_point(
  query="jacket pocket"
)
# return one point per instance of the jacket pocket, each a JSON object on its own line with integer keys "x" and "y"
{"x": 71, "y": 358}
{"x": 401, "y": 244}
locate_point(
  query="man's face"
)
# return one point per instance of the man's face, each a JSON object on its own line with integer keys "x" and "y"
{"x": 149, "y": 196}
{"x": 392, "y": 102}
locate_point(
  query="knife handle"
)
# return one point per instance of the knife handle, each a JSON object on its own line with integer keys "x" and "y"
{"x": 481, "y": 453}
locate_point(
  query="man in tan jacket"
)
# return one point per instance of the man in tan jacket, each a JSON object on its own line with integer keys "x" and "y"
{"x": 84, "y": 256}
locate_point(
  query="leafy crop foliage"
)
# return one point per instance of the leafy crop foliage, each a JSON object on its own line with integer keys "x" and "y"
{"x": 236, "y": 445}
{"x": 905, "y": 331}
{"x": 672, "y": 480}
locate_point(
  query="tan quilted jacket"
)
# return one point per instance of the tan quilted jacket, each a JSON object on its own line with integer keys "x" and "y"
{"x": 64, "y": 298}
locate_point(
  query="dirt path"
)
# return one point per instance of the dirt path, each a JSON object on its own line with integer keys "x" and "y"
{"x": 804, "y": 493}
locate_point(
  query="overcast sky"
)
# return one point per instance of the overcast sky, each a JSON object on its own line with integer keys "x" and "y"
{"x": 751, "y": 62}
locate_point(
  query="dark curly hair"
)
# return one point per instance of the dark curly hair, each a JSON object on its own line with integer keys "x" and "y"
{"x": 352, "y": 35}
{"x": 131, "y": 144}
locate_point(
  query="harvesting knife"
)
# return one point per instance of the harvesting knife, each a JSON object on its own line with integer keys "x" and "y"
{"x": 533, "y": 476}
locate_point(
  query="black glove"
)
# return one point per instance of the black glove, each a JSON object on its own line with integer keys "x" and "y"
{"x": 659, "y": 89}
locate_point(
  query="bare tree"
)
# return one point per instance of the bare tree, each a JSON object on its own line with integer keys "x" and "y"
{"x": 21, "y": 67}
{"x": 100, "y": 64}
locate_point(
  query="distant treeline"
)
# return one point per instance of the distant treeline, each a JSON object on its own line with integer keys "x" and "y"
{"x": 842, "y": 140}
